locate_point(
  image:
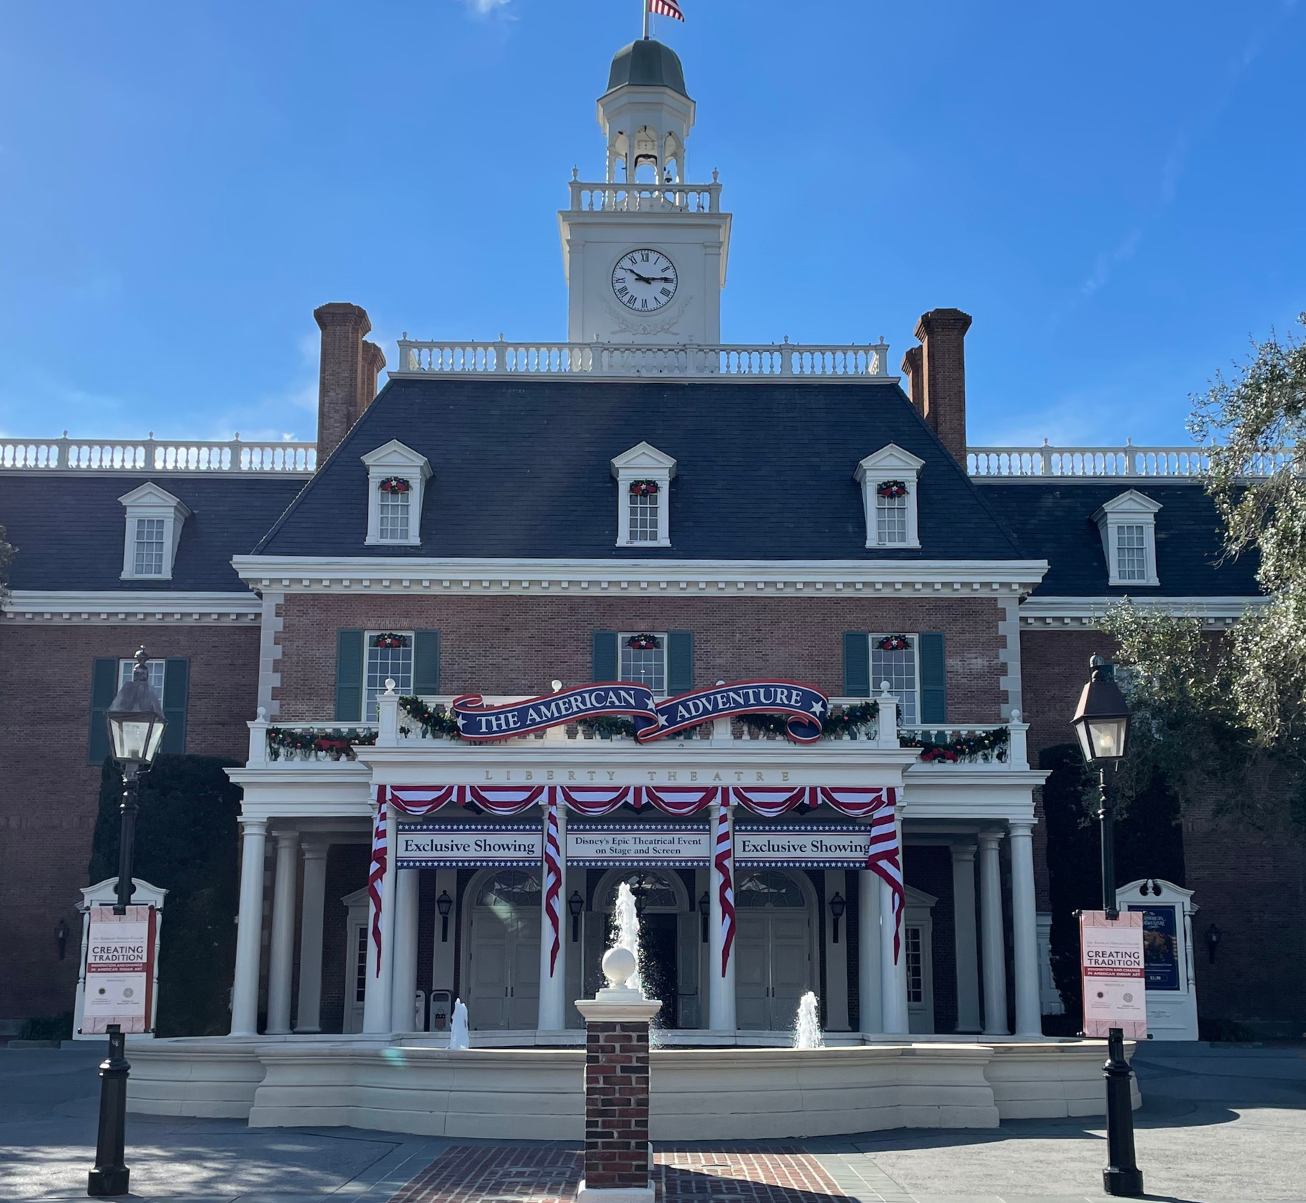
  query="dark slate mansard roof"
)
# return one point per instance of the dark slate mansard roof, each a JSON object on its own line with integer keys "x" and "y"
{"x": 522, "y": 469}
{"x": 1053, "y": 520}
{"x": 69, "y": 527}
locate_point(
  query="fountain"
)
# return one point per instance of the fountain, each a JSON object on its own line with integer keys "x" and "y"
{"x": 807, "y": 1027}
{"x": 627, "y": 936}
{"x": 458, "y": 1037}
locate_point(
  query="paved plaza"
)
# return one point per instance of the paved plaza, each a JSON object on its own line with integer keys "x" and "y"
{"x": 1217, "y": 1124}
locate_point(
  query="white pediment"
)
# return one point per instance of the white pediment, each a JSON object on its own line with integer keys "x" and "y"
{"x": 1131, "y": 501}
{"x": 889, "y": 458}
{"x": 151, "y": 495}
{"x": 643, "y": 457}
{"x": 396, "y": 455}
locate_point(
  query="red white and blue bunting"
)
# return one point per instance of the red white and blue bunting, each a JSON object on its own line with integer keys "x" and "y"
{"x": 874, "y": 803}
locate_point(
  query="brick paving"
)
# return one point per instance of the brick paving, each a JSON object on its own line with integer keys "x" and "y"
{"x": 520, "y": 1174}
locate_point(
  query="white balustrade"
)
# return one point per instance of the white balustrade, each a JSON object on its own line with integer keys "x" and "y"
{"x": 1108, "y": 461}
{"x": 158, "y": 455}
{"x": 645, "y": 198}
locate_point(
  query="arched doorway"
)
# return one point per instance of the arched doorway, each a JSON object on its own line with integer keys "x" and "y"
{"x": 667, "y": 937}
{"x": 502, "y": 939}
{"x": 773, "y": 944}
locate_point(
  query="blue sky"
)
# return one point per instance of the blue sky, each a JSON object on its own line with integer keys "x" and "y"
{"x": 1115, "y": 192}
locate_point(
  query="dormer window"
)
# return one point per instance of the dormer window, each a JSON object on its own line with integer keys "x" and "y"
{"x": 396, "y": 482}
{"x": 153, "y": 530}
{"x": 889, "y": 480}
{"x": 1128, "y": 527}
{"x": 643, "y": 496}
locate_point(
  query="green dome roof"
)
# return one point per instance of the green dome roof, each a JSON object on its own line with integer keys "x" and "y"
{"x": 648, "y": 64}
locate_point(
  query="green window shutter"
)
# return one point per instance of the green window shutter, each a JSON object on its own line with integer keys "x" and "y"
{"x": 349, "y": 676}
{"x": 856, "y": 664}
{"x": 680, "y": 661}
{"x": 104, "y": 685}
{"x": 605, "y": 656}
{"x": 426, "y": 663}
{"x": 176, "y": 688}
{"x": 934, "y": 699}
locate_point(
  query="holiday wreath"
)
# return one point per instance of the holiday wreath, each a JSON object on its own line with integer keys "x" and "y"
{"x": 388, "y": 639}
{"x": 894, "y": 643}
{"x": 892, "y": 488}
{"x": 395, "y": 484}
{"x": 643, "y": 488}
{"x": 643, "y": 643}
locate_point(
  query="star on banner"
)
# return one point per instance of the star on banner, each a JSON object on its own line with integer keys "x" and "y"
{"x": 818, "y": 708}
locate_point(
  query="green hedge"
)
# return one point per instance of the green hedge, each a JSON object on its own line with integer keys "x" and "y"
{"x": 187, "y": 842}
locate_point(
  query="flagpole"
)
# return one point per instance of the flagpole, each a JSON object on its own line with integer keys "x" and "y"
{"x": 646, "y": 20}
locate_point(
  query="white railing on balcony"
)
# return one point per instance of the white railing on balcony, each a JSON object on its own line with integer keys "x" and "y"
{"x": 608, "y": 359}
{"x": 1106, "y": 461}
{"x": 645, "y": 198}
{"x": 158, "y": 455}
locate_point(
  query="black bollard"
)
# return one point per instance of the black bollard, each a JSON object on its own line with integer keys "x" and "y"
{"x": 110, "y": 1175}
{"x": 1122, "y": 1175}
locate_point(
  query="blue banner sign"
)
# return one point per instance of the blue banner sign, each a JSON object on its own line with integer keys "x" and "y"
{"x": 1160, "y": 947}
{"x": 804, "y": 707}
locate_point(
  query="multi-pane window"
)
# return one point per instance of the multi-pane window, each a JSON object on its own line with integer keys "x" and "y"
{"x": 149, "y": 547}
{"x": 890, "y": 519}
{"x": 1131, "y": 553}
{"x": 644, "y": 659}
{"x": 360, "y": 965}
{"x": 915, "y": 967}
{"x": 644, "y": 517}
{"x": 155, "y": 669}
{"x": 392, "y": 517}
{"x": 389, "y": 654}
{"x": 893, "y": 659}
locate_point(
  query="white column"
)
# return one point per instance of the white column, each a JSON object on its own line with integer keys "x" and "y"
{"x": 553, "y": 985}
{"x": 403, "y": 1007}
{"x": 995, "y": 957}
{"x": 376, "y": 1001}
{"x": 1024, "y": 929}
{"x": 963, "y": 910}
{"x": 308, "y": 1015}
{"x": 893, "y": 975}
{"x": 281, "y": 959}
{"x": 868, "y": 953}
{"x": 249, "y": 930}
{"x": 721, "y": 988}
{"x": 836, "y": 956}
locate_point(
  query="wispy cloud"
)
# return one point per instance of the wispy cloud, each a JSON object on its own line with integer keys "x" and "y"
{"x": 1108, "y": 261}
{"x": 483, "y": 8}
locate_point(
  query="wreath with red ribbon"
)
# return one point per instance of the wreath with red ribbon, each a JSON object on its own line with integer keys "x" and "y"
{"x": 643, "y": 488}
{"x": 643, "y": 643}
{"x": 892, "y": 488}
{"x": 894, "y": 643}
{"x": 395, "y": 484}
{"x": 388, "y": 639}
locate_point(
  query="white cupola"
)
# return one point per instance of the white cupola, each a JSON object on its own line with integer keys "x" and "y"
{"x": 646, "y": 115}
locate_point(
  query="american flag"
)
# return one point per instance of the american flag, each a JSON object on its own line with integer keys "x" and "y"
{"x": 666, "y": 8}
{"x": 552, "y": 875}
{"x": 725, "y": 885}
{"x": 376, "y": 874}
{"x": 883, "y": 860}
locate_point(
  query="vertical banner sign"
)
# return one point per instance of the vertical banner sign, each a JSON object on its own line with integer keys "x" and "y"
{"x": 119, "y": 969}
{"x": 1111, "y": 960}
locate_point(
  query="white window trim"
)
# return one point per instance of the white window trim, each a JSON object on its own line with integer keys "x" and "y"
{"x": 643, "y": 462}
{"x": 622, "y": 636}
{"x": 126, "y": 667}
{"x": 150, "y": 501}
{"x": 918, "y": 911}
{"x": 1130, "y": 508}
{"x": 891, "y": 462}
{"x": 872, "y": 638}
{"x": 368, "y": 636}
{"x": 394, "y": 459}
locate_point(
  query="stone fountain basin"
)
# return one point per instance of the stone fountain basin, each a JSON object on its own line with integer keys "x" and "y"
{"x": 536, "y": 1093}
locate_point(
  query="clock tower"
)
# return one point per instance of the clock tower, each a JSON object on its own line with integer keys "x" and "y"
{"x": 645, "y": 251}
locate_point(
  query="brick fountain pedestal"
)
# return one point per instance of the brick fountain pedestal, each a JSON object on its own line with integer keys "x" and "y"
{"x": 618, "y": 1166}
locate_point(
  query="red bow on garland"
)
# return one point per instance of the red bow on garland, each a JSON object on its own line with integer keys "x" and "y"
{"x": 892, "y": 488}
{"x": 642, "y": 643}
{"x": 894, "y": 643}
{"x": 932, "y": 754}
{"x": 643, "y": 488}
{"x": 390, "y": 640}
{"x": 395, "y": 484}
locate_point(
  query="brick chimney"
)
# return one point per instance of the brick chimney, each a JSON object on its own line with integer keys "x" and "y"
{"x": 340, "y": 379}
{"x": 942, "y": 333}
{"x": 911, "y": 368}
{"x": 373, "y": 362}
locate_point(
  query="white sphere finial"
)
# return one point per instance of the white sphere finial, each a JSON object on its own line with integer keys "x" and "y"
{"x": 618, "y": 966}
{"x": 389, "y": 684}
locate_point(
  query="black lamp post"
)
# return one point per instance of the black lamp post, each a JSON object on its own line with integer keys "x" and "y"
{"x": 444, "y": 904}
{"x": 136, "y": 726}
{"x": 1213, "y": 935}
{"x": 1102, "y": 724}
{"x": 837, "y": 908}
{"x": 575, "y": 904}
{"x": 704, "y": 909}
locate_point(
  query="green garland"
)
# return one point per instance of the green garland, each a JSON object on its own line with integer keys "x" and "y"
{"x": 608, "y": 725}
{"x": 337, "y": 742}
{"x": 985, "y": 746}
{"x": 843, "y": 720}
{"x": 432, "y": 722}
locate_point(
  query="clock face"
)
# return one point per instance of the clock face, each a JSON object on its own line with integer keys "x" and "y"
{"x": 644, "y": 281}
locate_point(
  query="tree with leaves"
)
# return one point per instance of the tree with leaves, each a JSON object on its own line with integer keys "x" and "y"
{"x": 7, "y": 553}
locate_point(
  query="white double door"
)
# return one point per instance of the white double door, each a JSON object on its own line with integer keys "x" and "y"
{"x": 774, "y": 967}
{"x": 504, "y": 966}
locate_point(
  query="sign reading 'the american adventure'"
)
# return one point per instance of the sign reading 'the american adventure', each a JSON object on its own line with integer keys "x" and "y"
{"x": 811, "y": 846}
{"x": 469, "y": 845}
{"x": 1111, "y": 960}
{"x": 119, "y": 969}
{"x": 600, "y": 846}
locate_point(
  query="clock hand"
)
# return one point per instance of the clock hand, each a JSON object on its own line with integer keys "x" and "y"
{"x": 641, "y": 279}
